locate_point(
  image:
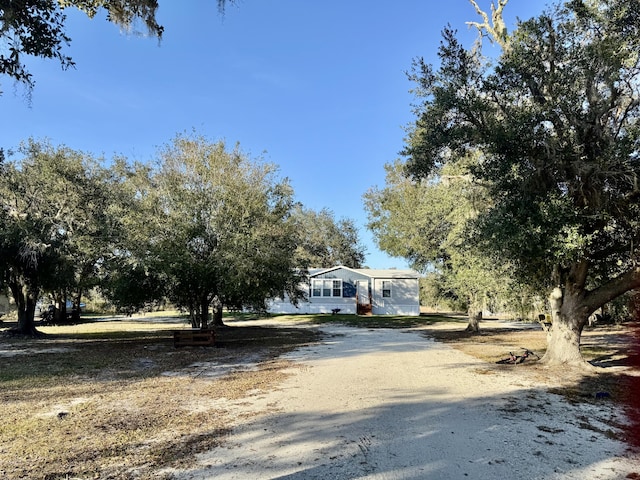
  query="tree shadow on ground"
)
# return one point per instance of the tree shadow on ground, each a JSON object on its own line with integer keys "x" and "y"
{"x": 99, "y": 358}
{"x": 135, "y": 401}
{"x": 531, "y": 431}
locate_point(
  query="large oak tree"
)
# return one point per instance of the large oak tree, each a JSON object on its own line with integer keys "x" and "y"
{"x": 215, "y": 228}
{"x": 555, "y": 119}
{"x": 55, "y": 226}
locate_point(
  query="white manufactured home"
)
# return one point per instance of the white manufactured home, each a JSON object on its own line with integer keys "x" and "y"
{"x": 360, "y": 291}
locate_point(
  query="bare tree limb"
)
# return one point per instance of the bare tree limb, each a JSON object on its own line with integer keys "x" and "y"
{"x": 495, "y": 29}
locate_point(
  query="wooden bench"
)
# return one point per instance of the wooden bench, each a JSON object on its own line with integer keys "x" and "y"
{"x": 194, "y": 337}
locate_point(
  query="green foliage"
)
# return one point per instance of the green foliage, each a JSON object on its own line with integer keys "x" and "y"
{"x": 31, "y": 27}
{"x": 428, "y": 221}
{"x": 131, "y": 288}
{"x": 213, "y": 226}
{"x": 55, "y": 224}
{"x": 436, "y": 294}
{"x": 325, "y": 242}
{"x": 205, "y": 226}
{"x": 400, "y": 221}
{"x": 37, "y": 28}
{"x": 556, "y": 122}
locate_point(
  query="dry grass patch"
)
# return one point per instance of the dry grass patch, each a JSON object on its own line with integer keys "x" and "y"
{"x": 603, "y": 346}
{"x": 123, "y": 403}
{"x": 116, "y": 400}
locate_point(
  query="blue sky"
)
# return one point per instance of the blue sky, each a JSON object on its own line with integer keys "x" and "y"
{"x": 316, "y": 87}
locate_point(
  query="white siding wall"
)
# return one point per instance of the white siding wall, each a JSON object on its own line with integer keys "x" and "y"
{"x": 404, "y": 298}
{"x": 346, "y": 305}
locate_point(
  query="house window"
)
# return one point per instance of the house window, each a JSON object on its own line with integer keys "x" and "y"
{"x": 386, "y": 289}
{"x": 337, "y": 288}
{"x": 326, "y": 288}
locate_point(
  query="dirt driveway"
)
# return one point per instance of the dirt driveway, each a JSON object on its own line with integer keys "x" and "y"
{"x": 390, "y": 404}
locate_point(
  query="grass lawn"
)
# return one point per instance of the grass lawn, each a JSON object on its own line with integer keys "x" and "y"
{"x": 114, "y": 398}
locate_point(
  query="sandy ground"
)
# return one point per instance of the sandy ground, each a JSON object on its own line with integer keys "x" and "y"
{"x": 390, "y": 404}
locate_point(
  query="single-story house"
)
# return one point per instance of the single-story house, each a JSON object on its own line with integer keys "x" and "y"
{"x": 360, "y": 291}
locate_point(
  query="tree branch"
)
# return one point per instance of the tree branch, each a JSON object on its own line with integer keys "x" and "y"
{"x": 612, "y": 289}
{"x": 495, "y": 29}
{"x": 577, "y": 278}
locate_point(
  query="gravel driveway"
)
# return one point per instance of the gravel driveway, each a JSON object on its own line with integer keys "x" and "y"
{"x": 391, "y": 404}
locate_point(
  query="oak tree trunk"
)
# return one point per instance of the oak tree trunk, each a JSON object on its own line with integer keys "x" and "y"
{"x": 474, "y": 321}
{"x": 204, "y": 313}
{"x": 570, "y": 314}
{"x": 217, "y": 313}
{"x": 563, "y": 346}
{"x": 26, "y": 305}
{"x": 60, "y": 312}
{"x": 75, "y": 309}
{"x": 194, "y": 314}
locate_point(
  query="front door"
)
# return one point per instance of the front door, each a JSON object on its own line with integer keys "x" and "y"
{"x": 363, "y": 297}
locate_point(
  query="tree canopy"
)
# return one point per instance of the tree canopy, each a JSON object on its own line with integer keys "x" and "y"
{"x": 427, "y": 221}
{"x": 210, "y": 227}
{"x": 205, "y": 226}
{"x": 55, "y": 225}
{"x": 555, "y": 122}
{"x": 37, "y": 28}
{"x": 325, "y": 242}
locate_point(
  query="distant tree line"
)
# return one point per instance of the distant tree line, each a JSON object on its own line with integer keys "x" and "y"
{"x": 205, "y": 227}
